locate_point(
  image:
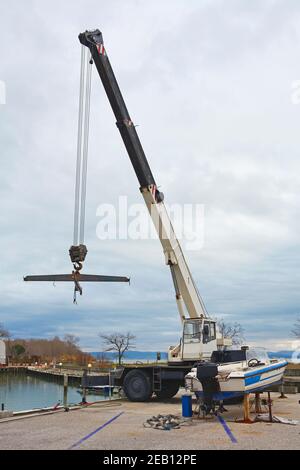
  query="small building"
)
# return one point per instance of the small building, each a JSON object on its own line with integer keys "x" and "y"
{"x": 2, "y": 352}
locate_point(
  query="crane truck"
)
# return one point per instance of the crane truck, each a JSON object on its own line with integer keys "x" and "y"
{"x": 200, "y": 336}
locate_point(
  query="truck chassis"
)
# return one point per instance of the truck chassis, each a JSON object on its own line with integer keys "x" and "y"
{"x": 140, "y": 382}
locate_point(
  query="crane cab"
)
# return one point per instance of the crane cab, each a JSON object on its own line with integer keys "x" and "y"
{"x": 199, "y": 340}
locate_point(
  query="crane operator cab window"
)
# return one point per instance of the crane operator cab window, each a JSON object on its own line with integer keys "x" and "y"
{"x": 192, "y": 331}
{"x": 209, "y": 331}
{"x": 195, "y": 330}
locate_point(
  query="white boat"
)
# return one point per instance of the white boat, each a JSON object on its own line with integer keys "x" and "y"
{"x": 233, "y": 374}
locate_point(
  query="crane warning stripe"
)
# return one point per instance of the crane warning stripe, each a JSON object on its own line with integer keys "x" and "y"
{"x": 100, "y": 49}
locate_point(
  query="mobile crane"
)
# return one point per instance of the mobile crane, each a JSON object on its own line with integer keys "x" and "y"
{"x": 200, "y": 336}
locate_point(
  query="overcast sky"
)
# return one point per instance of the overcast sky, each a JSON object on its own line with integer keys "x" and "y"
{"x": 210, "y": 85}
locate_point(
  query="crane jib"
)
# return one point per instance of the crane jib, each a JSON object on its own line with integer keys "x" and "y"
{"x": 94, "y": 41}
{"x": 187, "y": 295}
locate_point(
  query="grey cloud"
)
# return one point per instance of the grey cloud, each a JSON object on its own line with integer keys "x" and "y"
{"x": 209, "y": 85}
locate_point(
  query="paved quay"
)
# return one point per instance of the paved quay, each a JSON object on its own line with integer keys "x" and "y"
{"x": 119, "y": 425}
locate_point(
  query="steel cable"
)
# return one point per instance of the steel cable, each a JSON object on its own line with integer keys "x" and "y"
{"x": 82, "y": 146}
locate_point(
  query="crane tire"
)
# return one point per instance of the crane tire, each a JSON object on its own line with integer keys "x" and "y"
{"x": 137, "y": 386}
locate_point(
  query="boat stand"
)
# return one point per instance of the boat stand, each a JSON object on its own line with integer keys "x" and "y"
{"x": 257, "y": 407}
{"x": 282, "y": 395}
{"x": 246, "y": 409}
{"x": 200, "y": 413}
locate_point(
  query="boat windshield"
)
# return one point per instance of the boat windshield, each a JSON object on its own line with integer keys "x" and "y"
{"x": 258, "y": 353}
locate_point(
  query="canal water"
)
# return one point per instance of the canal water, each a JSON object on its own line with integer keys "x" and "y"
{"x": 19, "y": 391}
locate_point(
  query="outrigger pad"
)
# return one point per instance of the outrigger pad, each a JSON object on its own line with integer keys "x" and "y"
{"x": 79, "y": 278}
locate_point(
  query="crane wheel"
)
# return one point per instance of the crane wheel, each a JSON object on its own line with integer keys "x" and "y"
{"x": 137, "y": 386}
{"x": 168, "y": 390}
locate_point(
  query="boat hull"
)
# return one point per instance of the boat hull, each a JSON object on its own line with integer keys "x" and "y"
{"x": 251, "y": 381}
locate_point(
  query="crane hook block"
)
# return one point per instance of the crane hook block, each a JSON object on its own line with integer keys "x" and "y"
{"x": 78, "y": 253}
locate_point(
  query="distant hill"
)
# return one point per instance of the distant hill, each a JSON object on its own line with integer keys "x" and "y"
{"x": 283, "y": 354}
{"x": 144, "y": 356}
{"x": 132, "y": 355}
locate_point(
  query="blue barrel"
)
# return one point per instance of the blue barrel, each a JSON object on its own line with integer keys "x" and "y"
{"x": 187, "y": 409}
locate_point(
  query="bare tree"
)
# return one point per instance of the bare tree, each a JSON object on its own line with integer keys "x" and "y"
{"x": 17, "y": 350}
{"x": 235, "y": 331}
{"x": 118, "y": 342}
{"x": 296, "y": 329}
{"x": 5, "y": 334}
{"x": 72, "y": 340}
{"x": 49, "y": 349}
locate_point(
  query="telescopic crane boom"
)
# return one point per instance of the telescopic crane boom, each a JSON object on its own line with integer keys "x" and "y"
{"x": 198, "y": 329}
